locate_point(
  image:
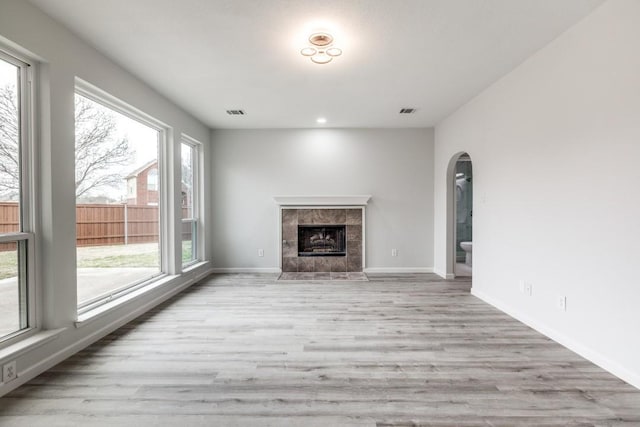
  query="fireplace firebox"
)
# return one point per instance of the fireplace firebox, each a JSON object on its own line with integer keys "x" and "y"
{"x": 321, "y": 240}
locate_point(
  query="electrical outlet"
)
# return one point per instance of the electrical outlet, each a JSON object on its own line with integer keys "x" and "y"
{"x": 9, "y": 372}
{"x": 260, "y": 252}
{"x": 394, "y": 252}
{"x": 562, "y": 303}
{"x": 526, "y": 288}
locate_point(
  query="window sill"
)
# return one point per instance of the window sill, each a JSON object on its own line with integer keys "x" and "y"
{"x": 26, "y": 345}
{"x": 193, "y": 266}
{"x": 100, "y": 311}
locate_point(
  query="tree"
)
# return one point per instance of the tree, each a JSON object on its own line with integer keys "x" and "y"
{"x": 187, "y": 175}
{"x": 99, "y": 153}
{"x": 9, "y": 153}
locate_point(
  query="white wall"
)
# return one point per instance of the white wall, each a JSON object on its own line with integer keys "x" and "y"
{"x": 62, "y": 57}
{"x": 394, "y": 166}
{"x": 555, "y": 148}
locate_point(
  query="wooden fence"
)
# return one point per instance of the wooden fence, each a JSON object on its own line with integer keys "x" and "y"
{"x": 9, "y": 217}
{"x": 98, "y": 225}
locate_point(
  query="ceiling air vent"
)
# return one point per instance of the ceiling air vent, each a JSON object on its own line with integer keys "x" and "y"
{"x": 235, "y": 112}
{"x": 407, "y": 110}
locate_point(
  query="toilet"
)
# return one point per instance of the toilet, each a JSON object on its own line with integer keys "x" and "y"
{"x": 466, "y": 247}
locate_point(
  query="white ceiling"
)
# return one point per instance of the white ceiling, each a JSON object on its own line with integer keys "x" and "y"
{"x": 212, "y": 55}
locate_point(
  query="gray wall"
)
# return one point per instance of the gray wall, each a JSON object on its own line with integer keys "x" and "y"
{"x": 394, "y": 166}
{"x": 555, "y": 150}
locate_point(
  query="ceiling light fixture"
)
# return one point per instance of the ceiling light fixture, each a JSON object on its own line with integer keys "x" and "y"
{"x": 322, "y": 50}
{"x": 321, "y": 120}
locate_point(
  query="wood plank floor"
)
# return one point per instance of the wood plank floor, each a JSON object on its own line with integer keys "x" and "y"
{"x": 247, "y": 350}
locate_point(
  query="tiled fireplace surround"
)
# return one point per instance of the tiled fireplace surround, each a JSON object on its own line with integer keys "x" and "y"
{"x": 351, "y": 217}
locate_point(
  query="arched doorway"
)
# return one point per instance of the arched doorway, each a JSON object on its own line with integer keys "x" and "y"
{"x": 460, "y": 216}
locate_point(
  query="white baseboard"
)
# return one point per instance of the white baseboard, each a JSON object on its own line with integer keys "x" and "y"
{"x": 586, "y": 352}
{"x": 245, "y": 270}
{"x": 388, "y": 270}
{"x": 447, "y": 276}
{"x": 42, "y": 365}
{"x": 366, "y": 270}
{"x": 399, "y": 270}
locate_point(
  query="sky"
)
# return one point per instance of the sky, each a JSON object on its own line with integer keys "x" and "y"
{"x": 8, "y": 72}
{"x": 142, "y": 139}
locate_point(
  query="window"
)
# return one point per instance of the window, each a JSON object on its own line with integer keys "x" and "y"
{"x": 189, "y": 199}
{"x": 117, "y": 213}
{"x": 131, "y": 188}
{"x": 152, "y": 180}
{"x": 16, "y": 234}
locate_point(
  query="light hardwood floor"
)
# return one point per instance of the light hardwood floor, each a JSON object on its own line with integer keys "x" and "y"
{"x": 247, "y": 350}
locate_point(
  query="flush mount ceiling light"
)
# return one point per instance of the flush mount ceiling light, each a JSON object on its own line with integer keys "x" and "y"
{"x": 321, "y": 50}
{"x": 321, "y": 120}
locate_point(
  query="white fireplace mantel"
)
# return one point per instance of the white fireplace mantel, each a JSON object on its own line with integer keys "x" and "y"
{"x": 322, "y": 200}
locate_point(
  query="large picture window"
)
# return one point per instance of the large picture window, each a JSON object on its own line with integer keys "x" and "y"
{"x": 117, "y": 201}
{"x": 190, "y": 202}
{"x": 16, "y": 237}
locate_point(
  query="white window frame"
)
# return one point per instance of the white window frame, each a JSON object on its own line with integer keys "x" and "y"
{"x": 195, "y": 219}
{"x": 25, "y": 238}
{"x": 101, "y": 97}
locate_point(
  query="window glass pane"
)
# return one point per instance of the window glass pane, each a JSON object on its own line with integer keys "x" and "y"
{"x": 9, "y": 295}
{"x": 117, "y": 197}
{"x": 13, "y": 260}
{"x": 187, "y": 180}
{"x": 9, "y": 148}
{"x": 188, "y": 241}
{"x": 189, "y": 228}
{"x": 13, "y": 291}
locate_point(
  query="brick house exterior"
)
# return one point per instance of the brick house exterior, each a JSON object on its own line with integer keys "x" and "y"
{"x": 143, "y": 184}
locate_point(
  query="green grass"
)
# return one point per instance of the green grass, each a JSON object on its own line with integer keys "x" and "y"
{"x": 102, "y": 257}
{"x": 8, "y": 264}
{"x": 116, "y": 261}
{"x": 186, "y": 251}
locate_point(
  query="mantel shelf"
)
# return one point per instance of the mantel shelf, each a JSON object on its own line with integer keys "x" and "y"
{"x": 322, "y": 200}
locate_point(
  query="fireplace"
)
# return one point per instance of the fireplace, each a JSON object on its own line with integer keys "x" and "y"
{"x": 318, "y": 239}
{"x": 321, "y": 240}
